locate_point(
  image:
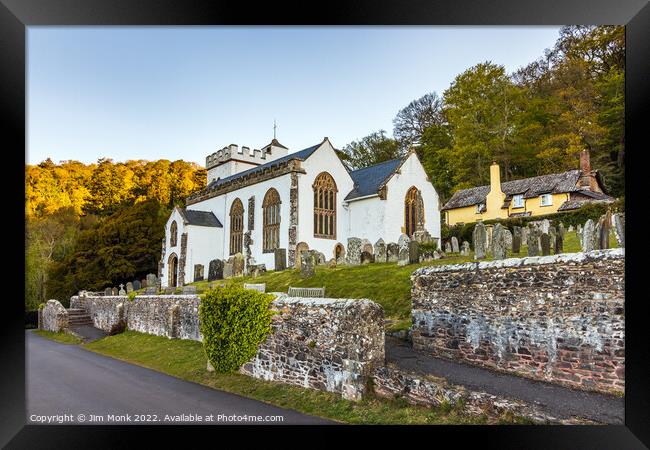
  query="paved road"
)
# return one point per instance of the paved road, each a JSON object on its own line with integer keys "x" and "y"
{"x": 67, "y": 379}
{"x": 560, "y": 401}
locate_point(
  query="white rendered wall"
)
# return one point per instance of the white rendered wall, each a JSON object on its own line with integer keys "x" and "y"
{"x": 203, "y": 244}
{"x": 411, "y": 174}
{"x": 174, "y": 216}
{"x": 324, "y": 159}
{"x": 367, "y": 219}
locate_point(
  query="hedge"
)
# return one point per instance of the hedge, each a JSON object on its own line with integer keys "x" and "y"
{"x": 574, "y": 217}
{"x": 234, "y": 322}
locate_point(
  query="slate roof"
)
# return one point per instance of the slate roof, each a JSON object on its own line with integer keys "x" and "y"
{"x": 368, "y": 180}
{"x": 300, "y": 155}
{"x": 200, "y": 218}
{"x": 555, "y": 183}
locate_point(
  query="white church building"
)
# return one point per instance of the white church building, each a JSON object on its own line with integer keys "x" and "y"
{"x": 262, "y": 200}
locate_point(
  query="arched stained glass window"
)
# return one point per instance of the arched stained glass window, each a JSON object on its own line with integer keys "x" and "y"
{"x": 325, "y": 206}
{"x": 236, "y": 226}
{"x": 271, "y": 221}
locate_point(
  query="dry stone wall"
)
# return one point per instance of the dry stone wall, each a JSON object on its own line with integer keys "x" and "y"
{"x": 54, "y": 317}
{"x": 556, "y": 318}
{"x": 326, "y": 344}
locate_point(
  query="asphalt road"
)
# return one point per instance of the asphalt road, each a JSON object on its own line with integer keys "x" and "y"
{"x": 68, "y": 384}
{"x": 560, "y": 401}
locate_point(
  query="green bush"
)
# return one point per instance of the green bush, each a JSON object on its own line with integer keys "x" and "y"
{"x": 131, "y": 295}
{"x": 234, "y": 322}
{"x": 41, "y": 306}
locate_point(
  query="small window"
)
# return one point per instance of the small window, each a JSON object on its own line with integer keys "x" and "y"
{"x": 546, "y": 200}
{"x": 480, "y": 208}
{"x": 518, "y": 201}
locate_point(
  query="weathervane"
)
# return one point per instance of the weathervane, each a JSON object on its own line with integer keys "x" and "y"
{"x": 274, "y": 128}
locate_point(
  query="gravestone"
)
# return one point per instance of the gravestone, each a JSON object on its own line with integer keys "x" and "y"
{"x": 403, "y": 257}
{"x": 308, "y": 259}
{"x": 215, "y": 270}
{"x": 228, "y": 269}
{"x": 320, "y": 258}
{"x": 280, "y": 258}
{"x": 332, "y": 263}
{"x": 545, "y": 241}
{"x": 403, "y": 242}
{"x": 257, "y": 269}
{"x": 479, "y": 238}
{"x": 604, "y": 228}
{"x": 129, "y": 287}
{"x": 464, "y": 248}
{"x": 498, "y": 242}
{"x": 507, "y": 239}
{"x": 366, "y": 246}
{"x": 122, "y": 291}
{"x": 169, "y": 290}
{"x": 237, "y": 264}
{"x": 414, "y": 252}
{"x": 618, "y": 223}
{"x": 559, "y": 243}
{"x": 353, "y": 254}
{"x": 137, "y": 285}
{"x": 524, "y": 236}
{"x": 143, "y": 283}
{"x": 152, "y": 280}
{"x": 437, "y": 254}
{"x": 516, "y": 239}
{"x": 108, "y": 291}
{"x": 454, "y": 244}
{"x": 552, "y": 236}
{"x": 198, "y": 272}
{"x": 588, "y": 236}
{"x": 532, "y": 240}
{"x": 366, "y": 257}
{"x": 151, "y": 290}
{"x": 392, "y": 252}
{"x": 188, "y": 290}
{"x": 380, "y": 251}
{"x": 570, "y": 229}
{"x": 488, "y": 237}
{"x": 447, "y": 247}
{"x": 545, "y": 224}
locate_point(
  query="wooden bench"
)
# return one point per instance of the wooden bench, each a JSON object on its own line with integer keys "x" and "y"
{"x": 306, "y": 292}
{"x": 261, "y": 287}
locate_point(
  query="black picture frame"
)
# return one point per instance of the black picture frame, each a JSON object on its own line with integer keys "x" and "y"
{"x": 16, "y": 15}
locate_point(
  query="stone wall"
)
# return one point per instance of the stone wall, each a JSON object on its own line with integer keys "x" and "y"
{"x": 53, "y": 317}
{"x": 556, "y": 318}
{"x": 327, "y": 344}
{"x": 174, "y": 316}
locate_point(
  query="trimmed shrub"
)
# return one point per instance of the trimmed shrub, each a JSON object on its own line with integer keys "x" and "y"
{"x": 234, "y": 321}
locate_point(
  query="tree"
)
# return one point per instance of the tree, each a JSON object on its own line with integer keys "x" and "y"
{"x": 372, "y": 149}
{"x": 411, "y": 122}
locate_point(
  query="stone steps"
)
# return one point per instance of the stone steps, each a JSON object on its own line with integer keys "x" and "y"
{"x": 78, "y": 316}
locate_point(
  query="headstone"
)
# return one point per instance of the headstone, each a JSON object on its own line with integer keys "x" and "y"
{"x": 115, "y": 291}
{"x": 588, "y": 236}
{"x": 144, "y": 282}
{"x": 488, "y": 237}
{"x": 108, "y": 291}
{"x": 437, "y": 254}
{"x": 546, "y": 244}
{"x": 215, "y": 270}
{"x": 380, "y": 251}
{"x": 618, "y": 223}
{"x": 237, "y": 265}
{"x": 198, "y": 272}
{"x": 570, "y": 229}
{"x": 422, "y": 237}
{"x": 498, "y": 242}
{"x": 532, "y": 240}
{"x": 122, "y": 291}
{"x": 170, "y": 290}
{"x": 392, "y": 252}
{"x": 604, "y": 228}
{"x": 507, "y": 239}
{"x": 559, "y": 243}
{"x": 353, "y": 254}
{"x": 552, "y": 236}
{"x": 403, "y": 241}
{"x": 137, "y": 285}
{"x": 332, "y": 263}
{"x": 129, "y": 287}
{"x": 151, "y": 290}
{"x": 280, "y": 259}
{"x": 464, "y": 248}
{"x": 151, "y": 279}
{"x": 257, "y": 270}
{"x": 516, "y": 240}
{"x": 545, "y": 224}
{"x": 414, "y": 252}
{"x": 403, "y": 257}
{"x": 447, "y": 247}
{"x": 308, "y": 261}
{"x": 366, "y": 246}
{"x": 524, "y": 236}
{"x": 228, "y": 270}
{"x": 479, "y": 238}
{"x": 454, "y": 244}
{"x": 560, "y": 229}
{"x": 367, "y": 258}
{"x": 189, "y": 290}
{"x": 321, "y": 259}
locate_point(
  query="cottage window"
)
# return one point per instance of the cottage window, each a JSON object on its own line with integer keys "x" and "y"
{"x": 173, "y": 234}
{"x": 324, "y": 206}
{"x": 546, "y": 200}
{"x": 480, "y": 208}
{"x": 271, "y": 221}
{"x": 236, "y": 226}
{"x": 413, "y": 211}
{"x": 518, "y": 201}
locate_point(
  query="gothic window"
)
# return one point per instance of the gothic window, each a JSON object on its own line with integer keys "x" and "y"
{"x": 413, "y": 211}
{"x": 271, "y": 221}
{"x": 325, "y": 206}
{"x": 236, "y": 226}
{"x": 173, "y": 234}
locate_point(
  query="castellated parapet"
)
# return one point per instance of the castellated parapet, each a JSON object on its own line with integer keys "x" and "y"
{"x": 233, "y": 159}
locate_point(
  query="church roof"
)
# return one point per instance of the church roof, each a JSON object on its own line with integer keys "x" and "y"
{"x": 554, "y": 183}
{"x": 200, "y": 218}
{"x": 275, "y": 143}
{"x": 369, "y": 180}
{"x": 300, "y": 155}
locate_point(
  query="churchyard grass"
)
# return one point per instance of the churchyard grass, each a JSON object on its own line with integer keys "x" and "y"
{"x": 186, "y": 359}
{"x": 63, "y": 338}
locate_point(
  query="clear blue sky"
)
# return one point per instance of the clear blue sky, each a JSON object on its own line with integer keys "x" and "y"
{"x": 183, "y": 92}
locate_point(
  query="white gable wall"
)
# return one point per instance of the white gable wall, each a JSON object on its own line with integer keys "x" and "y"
{"x": 324, "y": 159}
{"x": 180, "y": 227}
{"x": 203, "y": 243}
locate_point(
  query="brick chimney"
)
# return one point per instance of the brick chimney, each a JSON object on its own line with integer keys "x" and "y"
{"x": 585, "y": 163}
{"x": 587, "y": 178}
